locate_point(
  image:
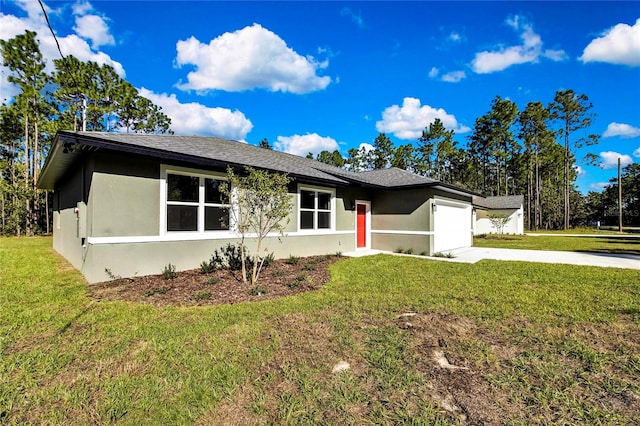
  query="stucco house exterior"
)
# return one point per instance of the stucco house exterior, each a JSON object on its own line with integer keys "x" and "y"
{"x": 511, "y": 206}
{"x": 130, "y": 204}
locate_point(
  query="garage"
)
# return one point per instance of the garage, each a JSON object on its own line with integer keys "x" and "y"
{"x": 451, "y": 225}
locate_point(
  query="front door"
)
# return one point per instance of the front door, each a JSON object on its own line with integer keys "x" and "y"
{"x": 361, "y": 232}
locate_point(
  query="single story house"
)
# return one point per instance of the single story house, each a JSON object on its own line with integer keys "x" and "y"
{"x": 130, "y": 204}
{"x": 511, "y": 206}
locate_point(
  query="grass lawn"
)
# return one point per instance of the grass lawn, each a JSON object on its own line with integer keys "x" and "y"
{"x": 617, "y": 245}
{"x": 493, "y": 342}
{"x": 584, "y": 230}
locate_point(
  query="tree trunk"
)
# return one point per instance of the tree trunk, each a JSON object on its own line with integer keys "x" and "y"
{"x": 537, "y": 217}
{"x": 3, "y": 220}
{"x": 34, "y": 162}
{"x": 529, "y": 194}
{"x": 566, "y": 177}
{"x": 27, "y": 183}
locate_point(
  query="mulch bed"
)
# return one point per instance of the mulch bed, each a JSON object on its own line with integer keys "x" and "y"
{"x": 284, "y": 277}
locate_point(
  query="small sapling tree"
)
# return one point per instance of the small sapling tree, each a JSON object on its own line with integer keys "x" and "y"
{"x": 499, "y": 221}
{"x": 260, "y": 204}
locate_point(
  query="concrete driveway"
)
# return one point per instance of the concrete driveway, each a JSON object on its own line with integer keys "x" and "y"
{"x": 475, "y": 254}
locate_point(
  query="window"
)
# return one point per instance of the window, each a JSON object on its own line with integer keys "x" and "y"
{"x": 195, "y": 204}
{"x": 315, "y": 209}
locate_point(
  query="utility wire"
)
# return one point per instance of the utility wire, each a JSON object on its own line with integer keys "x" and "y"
{"x": 46, "y": 17}
{"x": 84, "y": 99}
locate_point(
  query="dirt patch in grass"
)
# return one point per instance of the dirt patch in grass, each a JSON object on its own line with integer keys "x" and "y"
{"x": 432, "y": 367}
{"x": 282, "y": 278}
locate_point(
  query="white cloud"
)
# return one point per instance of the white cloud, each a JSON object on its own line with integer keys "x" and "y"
{"x": 355, "y": 17}
{"x": 454, "y": 37}
{"x": 71, "y": 44}
{"x": 454, "y": 76}
{"x": 530, "y": 51}
{"x": 81, "y": 7}
{"x": 555, "y": 55}
{"x": 609, "y": 160}
{"x": 636, "y": 153}
{"x": 450, "y": 77}
{"x": 367, "y": 147}
{"x": 408, "y": 121}
{"x": 618, "y": 45}
{"x": 580, "y": 171}
{"x": 621, "y": 129}
{"x": 94, "y": 28}
{"x": 250, "y": 58}
{"x": 197, "y": 119}
{"x": 303, "y": 144}
{"x": 7, "y": 90}
{"x": 599, "y": 186}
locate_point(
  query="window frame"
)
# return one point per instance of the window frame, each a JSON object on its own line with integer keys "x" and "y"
{"x": 201, "y": 204}
{"x": 332, "y": 209}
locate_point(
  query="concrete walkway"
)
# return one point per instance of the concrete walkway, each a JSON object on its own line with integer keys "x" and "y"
{"x": 475, "y": 254}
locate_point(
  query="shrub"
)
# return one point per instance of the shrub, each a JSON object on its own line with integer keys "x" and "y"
{"x": 230, "y": 256}
{"x": 207, "y": 267}
{"x": 257, "y": 291}
{"x": 279, "y": 273}
{"x": 448, "y": 255}
{"x": 399, "y": 250}
{"x": 292, "y": 260}
{"x": 157, "y": 290}
{"x": 111, "y": 275}
{"x": 203, "y": 295}
{"x": 169, "y": 272}
{"x": 211, "y": 281}
{"x": 409, "y": 251}
{"x": 268, "y": 260}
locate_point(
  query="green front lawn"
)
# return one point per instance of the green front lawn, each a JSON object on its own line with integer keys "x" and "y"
{"x": 617, "y": 245}
{"x": 585, "y": 230}
{"x": 537, "y": 343}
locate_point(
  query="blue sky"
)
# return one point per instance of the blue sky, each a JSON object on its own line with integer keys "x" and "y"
{"x": 332, "y": 75}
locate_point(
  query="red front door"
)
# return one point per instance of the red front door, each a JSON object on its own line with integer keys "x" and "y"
{"x": 361, "y": 231}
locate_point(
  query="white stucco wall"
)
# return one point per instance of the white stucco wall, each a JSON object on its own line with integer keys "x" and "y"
{"x": 514, "y": 226}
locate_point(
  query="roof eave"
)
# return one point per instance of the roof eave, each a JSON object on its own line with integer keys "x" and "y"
{"x": 64, "y": 142}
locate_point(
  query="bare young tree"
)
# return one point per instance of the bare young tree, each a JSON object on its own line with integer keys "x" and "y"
{"x": 259, "y": 204}
{"x": 499, "y": 221}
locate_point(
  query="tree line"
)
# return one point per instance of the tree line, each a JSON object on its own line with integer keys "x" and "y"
{"x": 77, "y": 95}
{"x": 510, "y": 151}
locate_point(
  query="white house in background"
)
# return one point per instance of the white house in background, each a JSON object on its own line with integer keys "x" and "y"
{"x": 510, "y": 205}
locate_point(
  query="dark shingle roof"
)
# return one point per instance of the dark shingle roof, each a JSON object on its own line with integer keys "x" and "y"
{"x": 395, "y": 177}
{"x": 213, "y": 151}
{"x": 499, "y": 202}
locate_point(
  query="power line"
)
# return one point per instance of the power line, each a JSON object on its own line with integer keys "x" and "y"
{"x": 64, "y": 63}
{"x": 46, "y": 17}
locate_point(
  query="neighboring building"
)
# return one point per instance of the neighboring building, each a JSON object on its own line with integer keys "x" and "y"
{"x": 133, "y": 203}
{"x": 512, "y": 206}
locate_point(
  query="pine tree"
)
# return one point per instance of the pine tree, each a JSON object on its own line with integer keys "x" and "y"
{"x": 572, "y": 111}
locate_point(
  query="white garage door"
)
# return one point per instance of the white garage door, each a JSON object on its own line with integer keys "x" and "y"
{"x": 452, "y": 226}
